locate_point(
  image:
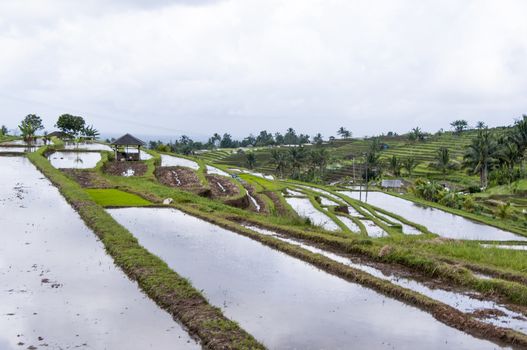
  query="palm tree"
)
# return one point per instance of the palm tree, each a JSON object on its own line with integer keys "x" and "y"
{"x": 480, "y": 155}
{"x": 251, "y": 160}
{"x": 297, "y": 156}
{"x": 280, "y": 161}
{"x": 319, "y": 160}
{"x": 508, "y": 155}
{"x": 416, "y": 134}
{"x": 409, "y": 165}
{"x": 395, "y": 165}
{"x": 443, "y": 159}
{"x": 344, "y": 133}
{"x": 90, "y": 132}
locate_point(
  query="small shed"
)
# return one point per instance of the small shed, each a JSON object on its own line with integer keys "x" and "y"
{"x": 396, "y": 184}
{"x": 127, "y": 147}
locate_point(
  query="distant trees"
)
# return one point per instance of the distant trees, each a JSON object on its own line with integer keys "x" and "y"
{"x": 318, "y": 140}
{"x": 344, "y": 133}
{"x": 3, "y": 130}
{"x": 29, "y": 126}
{"x": 416, "y": 134}
{"x": 459, "y": 125}
{"x": 90, "y": 132}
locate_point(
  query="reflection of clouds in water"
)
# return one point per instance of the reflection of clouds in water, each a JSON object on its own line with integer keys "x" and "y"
{"x": 94, "y": 295}
{"x": 269, "y": 299}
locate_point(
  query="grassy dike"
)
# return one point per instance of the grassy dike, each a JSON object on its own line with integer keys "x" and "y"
{"x": 169, "y": 290}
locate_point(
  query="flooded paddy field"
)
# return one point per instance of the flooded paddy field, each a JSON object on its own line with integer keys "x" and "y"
{"x": 58, "y": 288}
{"x": 88, "y": 146}
{"x": 215, "y": 171}
{"x": 282, "y": 301}
{"x": 306, "y": 209}
{"x": 473, "y": 303}
{"x": 437, "y": 221}
{"x": 16, "y": 149}
{"x": 74, "y": 160}
{"x": 167, "y": 160}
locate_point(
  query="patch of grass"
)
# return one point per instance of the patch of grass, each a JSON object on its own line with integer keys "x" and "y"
{"x": 116, "y": 198}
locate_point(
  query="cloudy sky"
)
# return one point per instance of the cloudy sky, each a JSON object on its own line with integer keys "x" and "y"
{"x": 240, "y": 66}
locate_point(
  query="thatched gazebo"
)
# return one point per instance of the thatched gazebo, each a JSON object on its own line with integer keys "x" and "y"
{"x": 122, "y": 147}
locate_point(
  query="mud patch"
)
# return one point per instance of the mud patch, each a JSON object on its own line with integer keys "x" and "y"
{"x": 125, "y": 168}
{"x": 222, "y": 187}
{"x": 279, "y": 206}
{"x": 258, "y": 204}
{"x": 87, "y": 179}
{"x": 181, "y": 178}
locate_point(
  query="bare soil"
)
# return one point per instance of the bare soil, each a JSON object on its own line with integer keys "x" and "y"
{"x": 280, "y": 209}
{"x": 87, "y": 178}
{"x": 258, "y": 198}
{"x": 180, "y": 177}
{"x": 222, "y": 187}
{"x": 118, "y": 168}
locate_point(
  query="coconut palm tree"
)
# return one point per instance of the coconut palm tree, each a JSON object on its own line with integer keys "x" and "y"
{"x": 443, "y": 159}
{"x": 480, "y": 155}
{"x": 297, "y": 156}
{"x": 409, "y": 165}
{"x": 280, "y": 161}
{"x": 395, "y": 165}
{"x": 251, "y": 160}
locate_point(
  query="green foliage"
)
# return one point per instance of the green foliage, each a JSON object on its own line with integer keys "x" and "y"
{"x": 504, "y": 211}
{"x": 90, "y": 132}
{"x": 29, "y": 126}
{"x": 70, "y": 124}
{"x": 344, "y": 133}
{"x": 409, "y": 164}
{"x": 395, "y": 165}
{"x": 116, "y": 198}
{"x": 251, "y": 160}
{"x": 459, "y": 125}
{"x": 480, "y": 155}
{"x": 443, "y": 159}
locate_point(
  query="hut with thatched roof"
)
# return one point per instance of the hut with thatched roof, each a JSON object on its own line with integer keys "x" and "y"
{"x": 127, "y": 147}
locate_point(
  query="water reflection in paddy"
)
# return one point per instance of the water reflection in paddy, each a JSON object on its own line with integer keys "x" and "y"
{"x": 305, "y": 208}
{"x": 57, "y": 283}
{"x": 74, "y": 160}
{"x": 437, "y": 221}
{"x": 284, "y": 302}
{"x": 167, "y": 160}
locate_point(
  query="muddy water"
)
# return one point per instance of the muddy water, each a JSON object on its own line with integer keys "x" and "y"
{"x": 167, "y": 160}
{"x": 349, "y": 223}
{"x": 89, "y": 146}
{"x": 57, "y": 283}
{"x": 305, "y": 209}
{"x": 437, "y": 221}
{"x": 462, "y": 302}
{"x": 215, "y": 171}
{"x": 282, "y": 301}
{"x": 74, "y": 160}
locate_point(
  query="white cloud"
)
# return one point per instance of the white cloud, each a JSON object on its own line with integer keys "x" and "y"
{"x": 243, "y": 65}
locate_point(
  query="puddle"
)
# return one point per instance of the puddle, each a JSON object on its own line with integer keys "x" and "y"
{"x": 57, "y": 283}
{"x": 305, "y": 209}
{"x": 505, "y": 246}
{"x": 437, "y": 221}
{"x": 88, "y": 146}
{"x": 462, "y": 302}
{"x": 215, "y": 171}
{"x": 128, "y": 173}
{"x": 167, "y": 160}
{"x": 282, "y": 301}
{"x": 74, "y": 160}
{"x": 373, "y": 230}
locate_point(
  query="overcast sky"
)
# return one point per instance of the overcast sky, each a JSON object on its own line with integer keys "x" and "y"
{"x": 240, "y": 66}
